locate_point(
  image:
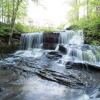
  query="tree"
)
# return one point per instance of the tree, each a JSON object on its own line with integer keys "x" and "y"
{"x": 15, "y": 11}
{"x": 90, "y": 22}
{"x": 2, "y": 10}
{"x": 74, "y": 11}
{"x": 16, "y": 4}
{"x": 10, "y": 11}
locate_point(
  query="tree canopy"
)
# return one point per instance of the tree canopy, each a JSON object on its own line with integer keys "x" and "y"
{"x": 89, "y": 21}
{"x": 84, "y": 14}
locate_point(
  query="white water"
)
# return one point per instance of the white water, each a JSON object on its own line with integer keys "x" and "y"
{"x": 73, "y": 41}
{"x": 32, "y": 40}
{"x": 36, "y": 52}
{"x": 71, "y": 37}
{"x": 77, "y": 51}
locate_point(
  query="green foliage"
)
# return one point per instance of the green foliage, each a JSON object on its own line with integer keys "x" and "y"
{"x": 4, "y": 29}
{"x": 90, "y": 23}
{"x": 20, "y": 27}
{"x": 91, "y": 29}
{"x": 42, "y": 29}
{"x": 26, "y": 28}
{"x": 61, "y": 26}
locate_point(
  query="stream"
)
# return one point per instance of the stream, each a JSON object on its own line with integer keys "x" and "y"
{"x": 35, "y": 73}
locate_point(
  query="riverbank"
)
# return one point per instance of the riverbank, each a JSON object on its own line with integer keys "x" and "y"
{"x": 6, "y": 49}
{"x": 4, "y": 39}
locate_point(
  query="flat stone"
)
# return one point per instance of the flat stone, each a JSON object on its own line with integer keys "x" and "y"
{"x": 54, "y": 54}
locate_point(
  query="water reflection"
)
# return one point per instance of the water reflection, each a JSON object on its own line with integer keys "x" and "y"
{"x": 38, "y": 89}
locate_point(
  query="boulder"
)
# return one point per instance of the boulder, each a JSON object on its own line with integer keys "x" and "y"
{"x": 62, "y": 49}
{"x": 50, "y": 40}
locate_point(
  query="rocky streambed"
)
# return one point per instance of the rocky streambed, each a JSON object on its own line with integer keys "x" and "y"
{"x": 35, "y": 75}
{"x": 54, "y": 66}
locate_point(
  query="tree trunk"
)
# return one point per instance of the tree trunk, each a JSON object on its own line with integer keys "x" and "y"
{"x": 15, "y": 10}
{"x": 77, "y": 10}
{"x": 2, "y": 11}
{"x": 87, "y": 9}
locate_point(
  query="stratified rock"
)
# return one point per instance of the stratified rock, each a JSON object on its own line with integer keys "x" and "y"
{"x": 82, "y": 65}
{"x": 67, "y": 80}
{"x": 50, "y": 40}
{"x": 50, "y": 46}
{"x": 54, "y": 55}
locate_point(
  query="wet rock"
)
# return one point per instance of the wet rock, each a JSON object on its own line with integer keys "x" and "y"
{"x": 85, "y": 47}
{"x": 1, "y": 89}
{"x": 45, "y": 76}
{"x": 54, "y": 55}
{"x": 67, "y": 80}
{"x": 75, "y": 64}
{"x": 50, "y": 40}
{"x": 69, "y": 83}
{"x": 51, "y": 46}
{"x": 69, "y": 64}
{"x": 92, "y": 66}
{"x": 82, "y": 65}
{"x": 50, "y": 37}
{"x": 62, "y": 49}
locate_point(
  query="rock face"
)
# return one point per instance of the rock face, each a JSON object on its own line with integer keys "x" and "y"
{"x": 82, "y": 65}
{"x": 62, "y": 49}
{"x": 50, "y": 40}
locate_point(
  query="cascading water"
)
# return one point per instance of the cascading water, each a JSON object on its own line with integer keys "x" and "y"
{"x": 32, "y": 40}
{"x": 73, "y": 41}
{"x": 71, "y": 37}
{"x": 32, "y": 74}
{"x": 77, "y": 51}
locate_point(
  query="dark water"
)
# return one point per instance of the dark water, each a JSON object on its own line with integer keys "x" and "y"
{"x": 31, "y": 75}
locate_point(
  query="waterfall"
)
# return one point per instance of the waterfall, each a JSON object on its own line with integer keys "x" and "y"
{"x": 73, "y": 41}
{"x": 32, "y": 40}
{"x": 71, "y": 37}
{"x": 84, "y": 54}
{"x": 91, "y": 54}
{"x": 77, "y": 51}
